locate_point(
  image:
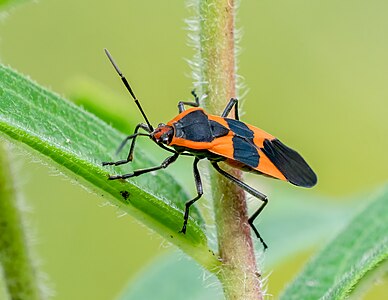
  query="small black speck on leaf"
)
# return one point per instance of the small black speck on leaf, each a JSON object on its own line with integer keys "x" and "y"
{"x": 125, "y": 194}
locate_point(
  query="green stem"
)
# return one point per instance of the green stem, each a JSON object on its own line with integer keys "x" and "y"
{"x": 218, "y": 81}
{"x": 19, "y": 273}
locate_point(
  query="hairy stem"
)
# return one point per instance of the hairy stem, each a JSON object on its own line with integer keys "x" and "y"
{"x": 19, "y": 273}
{"x": 217, "y": 79}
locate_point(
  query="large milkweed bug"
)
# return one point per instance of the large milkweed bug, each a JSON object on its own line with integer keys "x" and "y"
{"x": 195, "y": 133}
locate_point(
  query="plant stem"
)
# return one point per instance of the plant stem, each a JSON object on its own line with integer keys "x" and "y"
{"x": 18, "y": 271}
{"x": 217, "y": 75}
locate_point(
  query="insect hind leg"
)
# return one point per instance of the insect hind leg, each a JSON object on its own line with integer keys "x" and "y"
{"x": 251, "y": 191}
{"x": 254, "y": 216}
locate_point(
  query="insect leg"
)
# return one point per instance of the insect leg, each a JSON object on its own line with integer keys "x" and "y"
{"x": 181, "y": 104}
{"x": 130, "y": 137}
{"x": 169, "y": 160}
{"x": 251, "y": 191}
{"x": 198, "y": 185}
{"x": 228, "y": 108}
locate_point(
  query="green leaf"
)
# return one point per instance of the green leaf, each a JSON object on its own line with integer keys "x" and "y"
{"x": 299, "y": 219}
{"x": 345, "y": 262}
{"x": 78, "y": 142}
{"x": 19, "y": 272}
{"x": 3, "y": 291}
{"x": 292, "y": 216}
{"x": 93, "y": 95}
{"x": 173, "y": 278}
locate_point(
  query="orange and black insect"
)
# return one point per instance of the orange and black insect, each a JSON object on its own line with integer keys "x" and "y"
{"x": 195, "y": 133}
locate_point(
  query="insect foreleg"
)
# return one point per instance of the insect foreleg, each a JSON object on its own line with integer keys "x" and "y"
{"x": 169, "y": 160}
{"x": 123, "y": 143}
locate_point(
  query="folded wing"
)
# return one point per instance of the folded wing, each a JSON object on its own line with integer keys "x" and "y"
{"x": 289, "y": 163}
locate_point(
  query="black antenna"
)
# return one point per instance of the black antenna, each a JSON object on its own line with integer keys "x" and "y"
{"x": 129, "y": 89}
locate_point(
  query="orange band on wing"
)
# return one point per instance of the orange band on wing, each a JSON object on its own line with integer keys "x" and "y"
{"x": 260, "y": 135}
{"x": 267, "y": 167}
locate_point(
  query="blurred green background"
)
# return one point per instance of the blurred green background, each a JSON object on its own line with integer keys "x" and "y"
{"x": 317, "y": 75}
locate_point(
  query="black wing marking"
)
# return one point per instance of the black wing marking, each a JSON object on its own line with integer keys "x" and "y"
{"x": 290, "y": 163}
{"x": 245, "y": 151}
{"x": 239, "y": 128}
{"x": 217, "y": 129}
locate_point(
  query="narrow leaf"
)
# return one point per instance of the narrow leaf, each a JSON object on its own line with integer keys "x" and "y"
{"x": 18, "y": 270}
{"x": 78, "y": 142}
{"x": 356, "y": 252}
{"x": 301, "y": 221}
{"x": 93, "y": 95}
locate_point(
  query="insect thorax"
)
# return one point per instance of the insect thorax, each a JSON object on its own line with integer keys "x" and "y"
{"x": 197, "y": 127}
